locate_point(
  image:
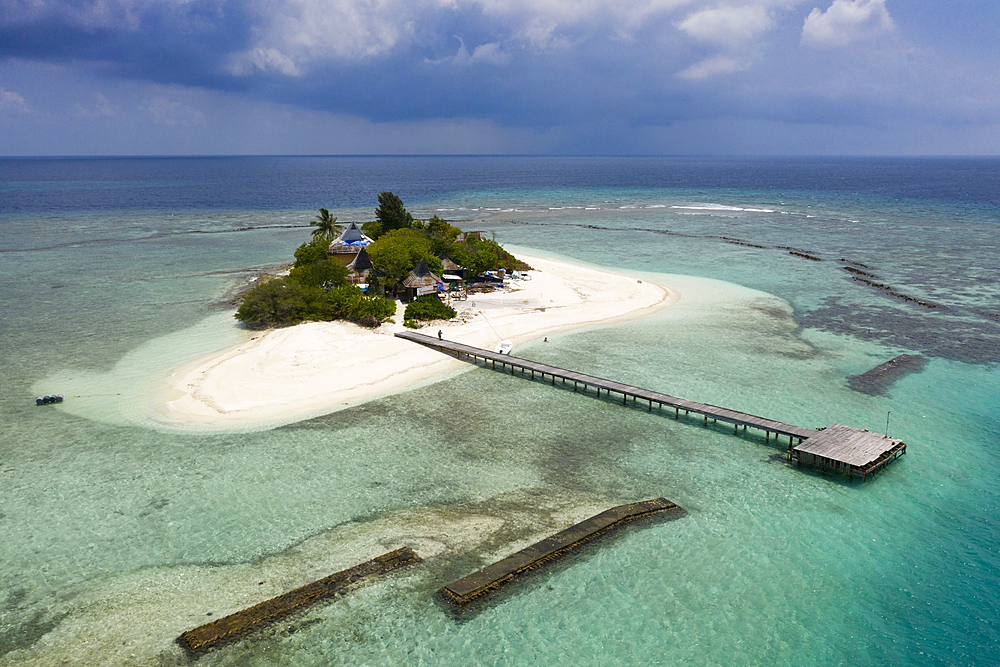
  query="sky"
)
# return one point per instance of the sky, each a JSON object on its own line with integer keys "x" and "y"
{"x": 562, "y": 77}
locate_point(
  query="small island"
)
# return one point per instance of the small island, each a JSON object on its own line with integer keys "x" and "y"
{"x": 341, "y": 298}
{"x": 355, "y": 273}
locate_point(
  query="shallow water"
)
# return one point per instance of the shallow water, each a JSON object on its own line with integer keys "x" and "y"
{"x": 120, "y": 536}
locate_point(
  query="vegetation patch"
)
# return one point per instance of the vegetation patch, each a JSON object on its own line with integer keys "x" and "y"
{"x": 427, "y": 308}
{"x": 316, "y": 289}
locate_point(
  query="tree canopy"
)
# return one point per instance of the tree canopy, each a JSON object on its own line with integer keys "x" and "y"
{"x": 317, "y": 286}
{"x": 396, "y": 253}
{"x": 478, "y": 256}
{"x": 391, "y": 214}
{"x": 427, "y": 308}
{"x": 316, "y": 289}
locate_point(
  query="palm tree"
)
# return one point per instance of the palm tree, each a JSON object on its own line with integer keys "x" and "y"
{"x": 326, "y": 226}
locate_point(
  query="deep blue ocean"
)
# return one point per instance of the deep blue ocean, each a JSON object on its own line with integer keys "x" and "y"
{"x": 794, "y": 275}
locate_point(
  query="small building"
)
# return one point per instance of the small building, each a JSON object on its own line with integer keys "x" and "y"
{"x": 452, "y": 271}
{"x": 420, "y": 282}
{"x": 847, "y": 451}
{"x": 465, "y": 236}
{"x": 360, "y": 268}
{"x": 346, "y": 247}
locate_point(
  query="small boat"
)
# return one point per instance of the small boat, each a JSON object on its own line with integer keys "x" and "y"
{"x": 504, "y": 347}
{"x": 46, "y": 400}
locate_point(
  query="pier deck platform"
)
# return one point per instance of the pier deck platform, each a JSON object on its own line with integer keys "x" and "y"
{"x": 244, "y": 621}
{"x": 847, "y": 450}
{"x": 831, "y": 460}
{"x": 492, "y": 577}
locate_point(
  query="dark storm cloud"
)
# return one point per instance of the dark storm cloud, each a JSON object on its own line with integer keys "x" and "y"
{"x": 533, "y": 64}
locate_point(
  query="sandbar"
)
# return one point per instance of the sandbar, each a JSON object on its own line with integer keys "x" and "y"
{"x": 289, "y": 374}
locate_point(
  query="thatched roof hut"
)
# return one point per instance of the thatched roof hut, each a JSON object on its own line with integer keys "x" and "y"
{"x": 350, "y": 242}
{"x": 451, "y": 268}
{"x": 360, "y": 267}
{"x": 421, "y": 281}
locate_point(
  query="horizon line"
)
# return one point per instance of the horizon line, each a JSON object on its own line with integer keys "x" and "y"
{"x": 503, "y": 155}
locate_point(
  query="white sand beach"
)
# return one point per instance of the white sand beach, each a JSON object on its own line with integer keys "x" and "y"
{"x": 289, "y": 374}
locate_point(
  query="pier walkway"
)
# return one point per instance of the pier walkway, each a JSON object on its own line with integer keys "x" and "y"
{"x": 842, "y": 450}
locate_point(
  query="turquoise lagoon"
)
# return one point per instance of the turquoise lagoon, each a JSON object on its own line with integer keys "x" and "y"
{"x": 119, "y": 535}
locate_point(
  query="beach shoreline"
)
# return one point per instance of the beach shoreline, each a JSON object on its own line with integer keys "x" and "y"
{"x": 285, "y": 375}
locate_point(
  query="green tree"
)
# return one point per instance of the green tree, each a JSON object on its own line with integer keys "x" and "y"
{"x": 326, "y": 274}
{"x": 312, "y": 252}
{"x": 373, "y": 228}
{"x": 326, "y": 226}
{"x": 442, "y": 229}
{"x": 275, "y": 303}
{"x": 428, "y": 308}
{"x": 286, "y": 301}
{"x": 391, "y": 213}
{"x": 397, "y": 252}
{"x": 486, "y": 255}
{"x": 350, "y": 303}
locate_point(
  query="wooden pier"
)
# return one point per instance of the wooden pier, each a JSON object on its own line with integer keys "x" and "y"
{"x": 503, "y": 572}
{"x": 242, "y": 622}
{"x": 831, "y": 460}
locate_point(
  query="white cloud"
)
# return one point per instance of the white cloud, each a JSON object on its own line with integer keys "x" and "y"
{"x": 566, "y": 12}
{"x": 102, "y": 108}
{"x": 12, "y": 101}
{"x": 172, "y": 114}
{"x": 846, "y": 21}
{"x": 713, "y": 67}
{"x": 308, "y": 30}
{"x": 343, "y": 29}
{"x": 263, "y": 60}
{"x": 727, "y": 25}
{"x": 490, "y": 54}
